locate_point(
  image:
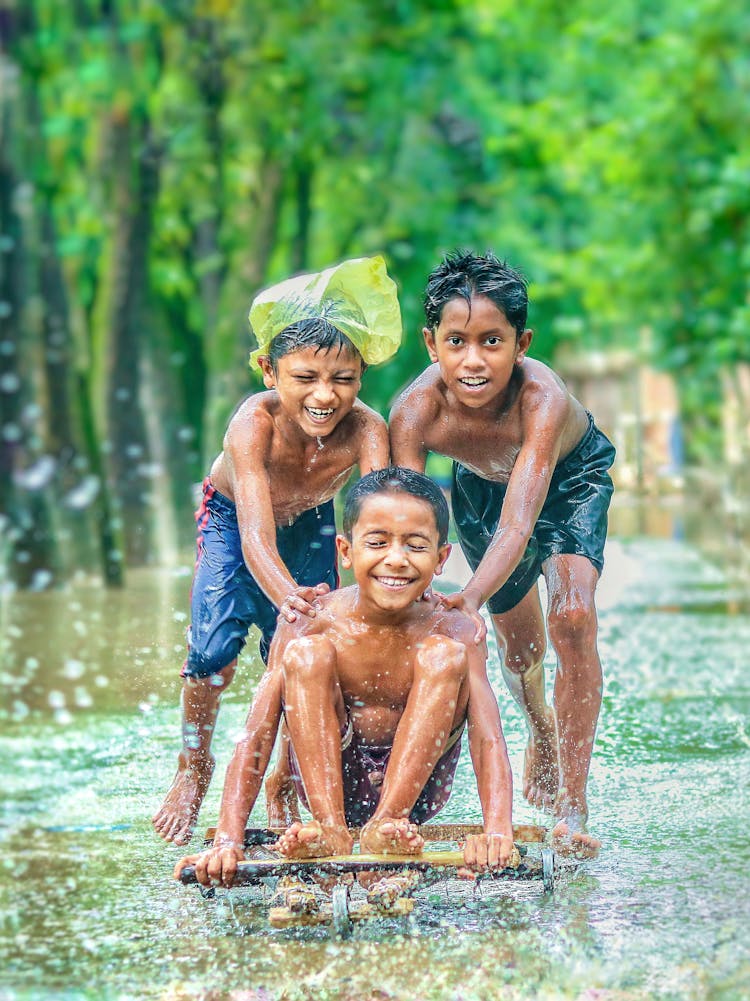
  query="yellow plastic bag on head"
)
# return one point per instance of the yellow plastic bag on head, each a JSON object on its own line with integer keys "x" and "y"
{"x": 357, "y": 297}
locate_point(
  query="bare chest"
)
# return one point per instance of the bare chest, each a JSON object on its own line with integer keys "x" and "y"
{"x": 489, "y": 449}
{"x": 375, "y": 671}
{"x": 301, "y": 480}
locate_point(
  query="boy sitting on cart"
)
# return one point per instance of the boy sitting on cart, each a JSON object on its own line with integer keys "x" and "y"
{"x": 376, "y": 691}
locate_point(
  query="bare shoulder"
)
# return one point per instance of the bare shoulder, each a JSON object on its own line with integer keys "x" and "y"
{"x": 362, "y": 419}
{"x": 543, "y": 398}
{"x": 547, "y": 407}
{"x": 454, "y": 623}
{"x": 255, "y": 415}
{"x": 304, "y": 625}
{"x": 423, "y": 398}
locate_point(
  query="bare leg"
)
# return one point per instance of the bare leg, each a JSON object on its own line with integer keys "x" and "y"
{"x": 175, "y": 819}
{"x": 433, "y": 706}
{"x": 315, "y": 713}
{"x": 572, "y": 623}
{"x": 521, "y": 639}
{"x": 282, "y": 803}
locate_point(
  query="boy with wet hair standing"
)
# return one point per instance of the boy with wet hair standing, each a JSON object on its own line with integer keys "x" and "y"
{"x": 376, "y": 691}
{"x": 266, "y": 532}
{"x": 530, "y": 495}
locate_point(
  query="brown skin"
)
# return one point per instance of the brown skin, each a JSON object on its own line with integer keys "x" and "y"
{"x": 285, "y": 451}
{"x": 510, "y": 419}
{"x": 405, "y": 670}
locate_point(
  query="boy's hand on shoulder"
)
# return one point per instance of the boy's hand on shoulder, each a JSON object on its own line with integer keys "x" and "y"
{"x": 300, "y": 602}
{"x": 483, "y": 852}
{"x": 216, "y": 866}
{"x": 465, "y": 602}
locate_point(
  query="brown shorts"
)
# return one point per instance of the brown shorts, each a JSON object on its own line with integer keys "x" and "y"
{"x": 359, "y": 761}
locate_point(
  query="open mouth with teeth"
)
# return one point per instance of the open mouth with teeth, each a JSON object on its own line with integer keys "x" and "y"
{"x": 473, "y": 381}
{"x": 319, "y": 414}
{"x": 395, "y": 583}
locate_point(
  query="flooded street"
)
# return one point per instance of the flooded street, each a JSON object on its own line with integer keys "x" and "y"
{"x": 89, "y": 739}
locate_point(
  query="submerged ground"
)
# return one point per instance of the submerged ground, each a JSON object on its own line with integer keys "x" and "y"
{"x": 90, "y": 909}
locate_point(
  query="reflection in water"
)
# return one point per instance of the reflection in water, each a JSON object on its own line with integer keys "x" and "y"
{"x": 88, "y": 747}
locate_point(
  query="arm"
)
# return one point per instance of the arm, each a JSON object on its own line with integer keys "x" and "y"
{"x": 374, "y": 449}
{"x": 246, "y": 449}
{"x": 489, "y": 756}
{"x": 543, "y": 421}
{"x": 242, "y": 784}
{"x": 407, "y": 419}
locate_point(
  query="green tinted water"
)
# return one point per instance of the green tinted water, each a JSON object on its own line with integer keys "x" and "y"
{"x": 90, "y": 909}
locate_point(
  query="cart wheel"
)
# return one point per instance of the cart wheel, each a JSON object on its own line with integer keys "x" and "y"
{"x": 340, "y": 903}
{"x": 548, "y": 869}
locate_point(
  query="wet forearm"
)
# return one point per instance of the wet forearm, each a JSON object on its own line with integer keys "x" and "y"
{"x": 495, "y": 786}
{"x": 241, "y": 787}
{"x": 499, "y": 561}
{"x": 267, "y": 568}
{"x": 250, "y": 759}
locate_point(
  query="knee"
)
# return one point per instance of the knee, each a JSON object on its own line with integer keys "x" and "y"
{"x": 213, "y": 675}
{"x": 518, "y": 658}
{"x": 572, "y": 621}
{"x": 308, "y": 657}
{"x": 442, "y": 659}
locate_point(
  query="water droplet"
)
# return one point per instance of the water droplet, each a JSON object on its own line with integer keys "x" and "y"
{"x": 37, "y": 476}
{"x": 82, "y": 495}
{"x": 82, "y": 698}
{"x": 41, "y": 580}
{"x": 73, "y": 669}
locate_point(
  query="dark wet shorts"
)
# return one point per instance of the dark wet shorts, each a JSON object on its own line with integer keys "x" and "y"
{"x": 226, "y": 600}
{"x": 361, "y": 796}
{"x": 573, "y": 519}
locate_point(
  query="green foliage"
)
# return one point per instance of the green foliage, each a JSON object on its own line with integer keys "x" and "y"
{"x": 604, "y": 151}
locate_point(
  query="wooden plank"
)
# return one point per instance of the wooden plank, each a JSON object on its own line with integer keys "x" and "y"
{"x": 448, "y": 862}
{"x": 522, "y": 833}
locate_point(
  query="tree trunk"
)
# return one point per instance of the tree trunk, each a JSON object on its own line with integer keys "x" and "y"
{"x": 28, "y": 553}
{"x": 136, "y": 172}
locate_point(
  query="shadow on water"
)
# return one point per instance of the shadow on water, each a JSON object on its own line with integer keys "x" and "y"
{"x": 89, "y": 738}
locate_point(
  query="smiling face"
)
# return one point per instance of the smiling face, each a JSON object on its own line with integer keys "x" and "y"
{"x": 477, "y": 349}
{"x": 317, "y": 388}
{"x": 394, "y": 550}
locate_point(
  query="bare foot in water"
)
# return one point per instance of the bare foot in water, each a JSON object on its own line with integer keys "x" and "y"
{"x": 282, "y": 802}
{"x": 313, "y": 840}
{"x": 541, "y": 768}
{"x": 570, "y": 836}
{"x": 175, "y": 819}
{"x": 391, "y": 836}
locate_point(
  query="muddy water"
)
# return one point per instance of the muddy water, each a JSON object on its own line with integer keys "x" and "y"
{"x": 89, "y": 909}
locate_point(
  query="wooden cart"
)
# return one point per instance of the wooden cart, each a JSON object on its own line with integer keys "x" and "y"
{"x": 318, "y": 891}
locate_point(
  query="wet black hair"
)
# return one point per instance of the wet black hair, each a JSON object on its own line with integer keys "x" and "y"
{"x": 462, "y": 274}
{"x": 314, "y": 332}
{"x": 397, "y": 480}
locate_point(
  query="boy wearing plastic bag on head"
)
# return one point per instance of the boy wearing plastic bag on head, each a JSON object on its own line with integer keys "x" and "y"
{"x": 265, "y": 528}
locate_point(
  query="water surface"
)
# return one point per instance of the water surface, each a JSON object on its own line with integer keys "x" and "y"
{"x": 89, "y": 739}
